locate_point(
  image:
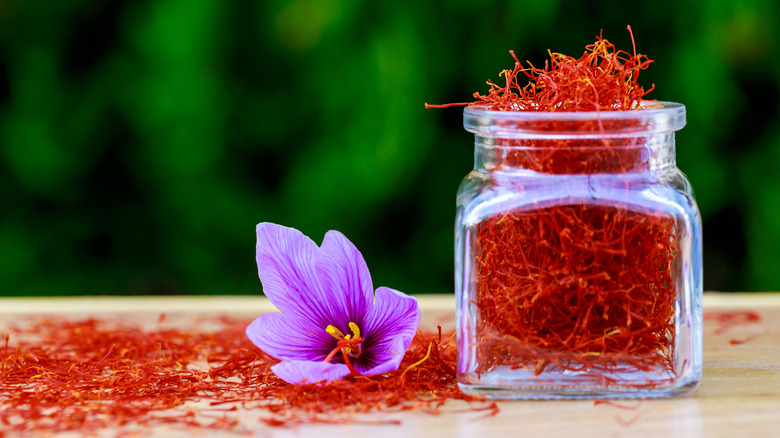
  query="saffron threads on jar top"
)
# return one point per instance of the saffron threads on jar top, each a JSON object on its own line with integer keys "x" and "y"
{"x": 602, "y": 79}
{"x": 60, "y": 375}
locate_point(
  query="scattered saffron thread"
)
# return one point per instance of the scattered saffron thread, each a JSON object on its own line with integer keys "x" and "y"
{"x": 745, "y": 340}
{"x": 635, "y": 407}
{"x": 427, "y": 355}
{"x": 639, "y": 415}
{"x": 617, "y": 405}
{"x": 60, "y": 375}
{"x": 726, "y": 320}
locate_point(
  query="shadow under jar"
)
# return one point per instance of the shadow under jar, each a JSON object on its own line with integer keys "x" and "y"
{"x": 578, "y": 256}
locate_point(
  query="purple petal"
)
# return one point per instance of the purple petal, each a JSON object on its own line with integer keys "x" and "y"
{"x": 344, "y": 276}
{"x": 296, "y": 371}
{"x": 285, "y": 264}
{"x": 389, "y": 354}
{"x": 390, "y": 328}
{"x": 275, "y": 334}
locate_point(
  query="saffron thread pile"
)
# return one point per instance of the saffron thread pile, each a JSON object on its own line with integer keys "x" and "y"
{"x": 577, "y": 287}
{"x": 60, "y": 375}
{"x": 602, "y": 79}
{"x": 574, "y": 285}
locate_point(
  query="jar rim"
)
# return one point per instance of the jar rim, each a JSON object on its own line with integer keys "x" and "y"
{"x": 654, "y": 117}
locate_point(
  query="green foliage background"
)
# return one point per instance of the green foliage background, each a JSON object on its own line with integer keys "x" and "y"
{"x": 141, "y": 141}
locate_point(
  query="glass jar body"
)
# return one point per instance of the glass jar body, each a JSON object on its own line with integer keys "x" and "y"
{"x": 578, "y": 259}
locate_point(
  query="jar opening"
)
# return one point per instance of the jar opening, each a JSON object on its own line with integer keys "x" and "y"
{"x": 652, "y": 118}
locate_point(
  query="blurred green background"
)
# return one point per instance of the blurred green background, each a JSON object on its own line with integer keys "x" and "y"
{"x": 141, "y": 141}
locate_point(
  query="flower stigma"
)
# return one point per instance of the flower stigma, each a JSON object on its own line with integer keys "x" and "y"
{"x": 348, "y": 345}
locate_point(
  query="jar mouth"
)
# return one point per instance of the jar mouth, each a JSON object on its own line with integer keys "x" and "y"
{"x": 653, "y": 117}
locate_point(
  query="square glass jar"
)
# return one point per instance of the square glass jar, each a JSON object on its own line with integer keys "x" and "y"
{"x": 578, "y": 257}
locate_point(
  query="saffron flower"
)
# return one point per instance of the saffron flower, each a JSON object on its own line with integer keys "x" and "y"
{"x": 331, "y": 322}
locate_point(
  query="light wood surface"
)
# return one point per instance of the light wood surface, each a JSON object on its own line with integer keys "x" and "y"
{"x": 739, "y": 395}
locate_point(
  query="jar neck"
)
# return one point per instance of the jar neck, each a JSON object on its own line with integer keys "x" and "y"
{"x": 637, "y": 154}
{"x": 612, "y": 142}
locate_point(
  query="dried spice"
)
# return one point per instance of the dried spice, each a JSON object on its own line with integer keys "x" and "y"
{"x": 577, "y": 287}
{"x": 726, "y": 320}
{"x": 574, "y": 285}
{"x": 602, "y": 79}
{"x": 59, "y": 375}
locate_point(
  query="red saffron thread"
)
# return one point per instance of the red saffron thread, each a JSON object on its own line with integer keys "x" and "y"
{"x": 603, "y": 78}
{"x": 60, "y": 375}
{"x": 576, "y": 287}
{"x": 623, "y": 422}
{"x": 726, "y": 320}
{"x": 745, "y": 340}
{"x": 617, "y": 405}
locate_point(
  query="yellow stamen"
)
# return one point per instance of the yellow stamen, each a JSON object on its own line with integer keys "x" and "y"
{"x": 355, "y": 329}
{"x": 333, "y": 331}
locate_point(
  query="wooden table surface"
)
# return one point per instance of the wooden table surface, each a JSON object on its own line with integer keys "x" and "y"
{"x": 739, "y": 394}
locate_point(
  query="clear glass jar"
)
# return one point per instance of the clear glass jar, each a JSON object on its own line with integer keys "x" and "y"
{"x": 578, "y": 256}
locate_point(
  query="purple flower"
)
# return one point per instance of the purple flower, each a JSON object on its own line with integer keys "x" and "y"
{"x": 332, "y": 323}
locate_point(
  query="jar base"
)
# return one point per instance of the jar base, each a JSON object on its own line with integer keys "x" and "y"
{"x": 513, "y": 384}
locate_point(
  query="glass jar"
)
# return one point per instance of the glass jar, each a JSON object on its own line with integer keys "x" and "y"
{"x": 578, "y": 256}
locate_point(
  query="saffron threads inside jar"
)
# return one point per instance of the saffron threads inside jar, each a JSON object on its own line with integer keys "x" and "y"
{"x": 577, "y": 287}
{"x": 60, "y": 375}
